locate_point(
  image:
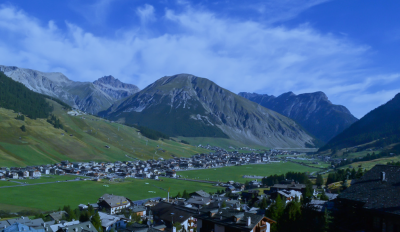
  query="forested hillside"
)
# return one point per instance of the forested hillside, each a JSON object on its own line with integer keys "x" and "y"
{"x": 381, "y": 124}
{"x": 15, "y": 96}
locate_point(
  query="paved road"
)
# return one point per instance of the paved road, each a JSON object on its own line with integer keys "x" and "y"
{"x": 201, "y": 181}
{"x": 22, "y": 184}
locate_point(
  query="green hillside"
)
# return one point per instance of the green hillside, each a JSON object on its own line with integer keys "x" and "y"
{"x": 381, "y": 124}
{"x": 43, "y": 144}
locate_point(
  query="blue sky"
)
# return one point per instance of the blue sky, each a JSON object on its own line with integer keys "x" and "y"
{"x": 348, "y": 49}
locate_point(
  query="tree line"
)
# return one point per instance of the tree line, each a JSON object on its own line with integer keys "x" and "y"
{"x": 300, "y": 177}
{"x": 15, "y": 96}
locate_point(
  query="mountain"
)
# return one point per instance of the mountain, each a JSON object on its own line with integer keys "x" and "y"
{"x": 381, "y": 123}
{"x": 86, "y": 96}
{"x": 190, "y": 106}
{"x": 311, "y": 110}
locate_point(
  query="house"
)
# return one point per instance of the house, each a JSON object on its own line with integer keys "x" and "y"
{"x": 109, "y": 222}
{"x": 170, "y": 214}
{"x": 232, "y": 221}
{"x": 171, "y": 173}
{"x": 73, "y": 226}
{"x": 139, "y": 209}
{"x": 288, "y": 195}
{"x": 113, "y": 204}
{"x": 200, "y": 193}
{"x": 371, "y": 203}
{"x": 16, "y": 227}
{"x": 57, "y": 216}
{"x": 136, "y": 227}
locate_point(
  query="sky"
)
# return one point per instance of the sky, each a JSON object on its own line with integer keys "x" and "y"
{"x": 349, "y": 49}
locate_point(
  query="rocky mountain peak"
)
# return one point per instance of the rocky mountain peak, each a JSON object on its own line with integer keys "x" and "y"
{"x": 114, "y": 82}
{"x": 312, "y": 110}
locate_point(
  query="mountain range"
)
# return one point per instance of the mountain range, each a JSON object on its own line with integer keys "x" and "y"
{"x": 186, "y": 105}
{"x": 313, "y": 111}
{"x": 189, "y": 106}
{"x": 86, "y": 96}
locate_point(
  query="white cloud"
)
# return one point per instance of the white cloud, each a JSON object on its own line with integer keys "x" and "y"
{"x": 146, "y": 13}
{"x": 238, "y": 55}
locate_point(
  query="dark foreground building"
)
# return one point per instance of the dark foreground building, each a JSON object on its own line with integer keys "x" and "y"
{"x": 371, "y": 203}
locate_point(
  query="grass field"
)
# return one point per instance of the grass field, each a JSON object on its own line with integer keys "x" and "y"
{"x": 236, "y": 173}
{"x": 51, "y": 196}
{"x": 370, "y": 164}
{"x": 43, "y": 144}
{"x": 48, "y": 178}
{"x": 220, "y": 142}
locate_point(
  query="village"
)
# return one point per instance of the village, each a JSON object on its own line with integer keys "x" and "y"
{"x": 244, "y": 205}
{"x": 151, "y": 169}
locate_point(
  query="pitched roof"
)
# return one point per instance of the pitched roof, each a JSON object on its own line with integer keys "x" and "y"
{"x": 57, "y": 215}
{"x": 227, "y": 218}
{"x": 113, "y": 200}
{"x": 375, "y": 193}
{"x": 168, "y": 212}
{"x": 201, "y": 193}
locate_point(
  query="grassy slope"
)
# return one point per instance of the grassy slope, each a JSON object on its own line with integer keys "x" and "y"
{"x": 235, "y": 173}
{"x": 370, "y": 164}
{"x": 52, "y": 196}
{"x": 43, "y": 144}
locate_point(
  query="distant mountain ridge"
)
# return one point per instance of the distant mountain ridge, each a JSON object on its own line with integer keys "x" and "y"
{"x": 381, "y": 123}
{"x": 86, "y": 96}
{"x": 313, "y": 111}
{"x": 190, "y": 106}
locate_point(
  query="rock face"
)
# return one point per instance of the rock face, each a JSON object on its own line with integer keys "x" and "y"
{"x": 311, "y": 110}
{"x": 186, "y": 105}
{"x": 86, "y": 96}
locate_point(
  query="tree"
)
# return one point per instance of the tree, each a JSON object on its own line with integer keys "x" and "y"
{"x": 353, "y": 174}
{"x": 290, "y": 217}
{"x": 23, "y": 128}
{"x": 178, "y": 226}
{"x": 179, "y": 195}
{"x": 308, "y": 194}
{"x": 320, "y": 180}
{"x": 223, "y": 205}
{"x": 84, "y": 217}
{"x": 324, "y": 197}
{"x": 264, "y": 203}
{"x": 96, "y": 221}
{"x": 91, "y": 210}
{"x": 185, "y": 194}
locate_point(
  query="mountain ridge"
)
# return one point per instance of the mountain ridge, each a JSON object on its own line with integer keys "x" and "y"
{"x": 189, "y": 105}
{"x": 379, "y": 124}
{"x": 86, "y": 96}
{"x": 314, "y": 111}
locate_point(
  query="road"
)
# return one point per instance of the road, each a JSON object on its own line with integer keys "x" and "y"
{"x": 22, "y": 184}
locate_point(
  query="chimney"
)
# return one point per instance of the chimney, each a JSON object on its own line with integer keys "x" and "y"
{"x": 248, "y": 221}
{"x": 383, "y": 176}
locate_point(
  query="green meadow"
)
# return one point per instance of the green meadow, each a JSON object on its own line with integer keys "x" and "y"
{"x": 236, "y": 173}
{"x": 49, "y": 197}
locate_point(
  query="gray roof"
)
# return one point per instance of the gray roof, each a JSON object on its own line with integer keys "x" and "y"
{"x": 80, "y": 227}
{"x": 21, "y": 220}
{"x": 113, "y": 200}
{"x": 136, "y": 227}
{"x": 375, "y": 194}
{"x": 201, "y": 193}
{"x": 168, "y": 212}
{"x": 57, "y": 215}
{"x": 226, "y": 217}
{"x": 107, "y": 219}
